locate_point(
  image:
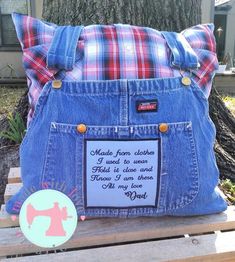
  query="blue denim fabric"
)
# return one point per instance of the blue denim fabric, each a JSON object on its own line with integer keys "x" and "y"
{"x": 62, "y": 52}
{"x": 52, "y": 152}
{"x": 183, "y": 55}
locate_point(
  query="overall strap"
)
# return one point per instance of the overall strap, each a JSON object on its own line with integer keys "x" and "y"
{"x": 183, "y": 55}
{"x": 62, "y": 51}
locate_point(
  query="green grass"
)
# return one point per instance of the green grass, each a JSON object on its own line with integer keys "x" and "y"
{"x": 230, "y": 103}
{"x": 9, "y": 97}
{"x": 228, "y": 187}
{"x": 16, "y": 129}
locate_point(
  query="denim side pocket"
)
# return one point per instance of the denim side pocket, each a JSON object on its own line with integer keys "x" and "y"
{"x": 180, "y": 165}
{"x": 38, "y": 110}
{"x": 59, "y": 171}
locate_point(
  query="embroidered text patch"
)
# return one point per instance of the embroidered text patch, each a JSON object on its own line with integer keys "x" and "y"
{"x": 121, "y": 173}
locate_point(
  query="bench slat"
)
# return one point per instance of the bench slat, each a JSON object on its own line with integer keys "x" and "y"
{"x": 11, "y": 189}
{"x": 6, "y": 220}
{"x": 216, "y": 247}
{"x": 115, "y": 230}
{"x": 14, "y": 175}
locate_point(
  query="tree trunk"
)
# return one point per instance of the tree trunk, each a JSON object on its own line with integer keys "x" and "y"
{"x": 172, "y": 15}
{"x": 225, "y": 135}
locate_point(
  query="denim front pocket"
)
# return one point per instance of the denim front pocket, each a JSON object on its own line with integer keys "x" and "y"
{"x": 165, "y": 164}
{"x": 179, "y": 165}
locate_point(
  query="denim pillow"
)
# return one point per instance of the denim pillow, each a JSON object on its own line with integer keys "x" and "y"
{"x": 123, "y": 128}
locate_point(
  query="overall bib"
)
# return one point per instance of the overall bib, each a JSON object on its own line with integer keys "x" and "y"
{"x": 122, "y": 148}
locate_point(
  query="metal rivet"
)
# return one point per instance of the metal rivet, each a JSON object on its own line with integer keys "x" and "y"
{"x": 56, "y": 84}
{"x": 163, "y": 127}
{"x": 186, "y": 81}
{"x": 81, "y": 128}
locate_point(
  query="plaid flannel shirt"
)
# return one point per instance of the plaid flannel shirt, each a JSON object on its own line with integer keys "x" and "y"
{"x": 106, "y": 52}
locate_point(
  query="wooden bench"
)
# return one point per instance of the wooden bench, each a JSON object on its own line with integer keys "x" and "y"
{"x": 201, "y": 238}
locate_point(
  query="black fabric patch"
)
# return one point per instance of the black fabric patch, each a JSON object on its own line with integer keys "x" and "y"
{"x": 146, "y": 106}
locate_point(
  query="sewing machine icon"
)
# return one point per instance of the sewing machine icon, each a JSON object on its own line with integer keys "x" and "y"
{"x": 55, "y": 213}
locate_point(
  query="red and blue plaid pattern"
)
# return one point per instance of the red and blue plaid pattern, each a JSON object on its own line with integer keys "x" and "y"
{"x": 106, "y": 52}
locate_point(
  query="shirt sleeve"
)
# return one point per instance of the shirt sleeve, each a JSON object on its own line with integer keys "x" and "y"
{"x": 202, "y": 40}
{"x": 35, "y": 37}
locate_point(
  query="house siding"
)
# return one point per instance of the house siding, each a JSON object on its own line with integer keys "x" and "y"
{"x": 230, "y": 32}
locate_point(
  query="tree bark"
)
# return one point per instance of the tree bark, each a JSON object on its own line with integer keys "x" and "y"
{"x": 225, "y": 135}
{"x": 172, "y": 15}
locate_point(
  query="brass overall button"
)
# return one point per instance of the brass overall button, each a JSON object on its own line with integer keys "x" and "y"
{"x": 81, "y": 128}
{"x": 56, "y": 84}
{"x": 186, "y": 81}
{"x": 163, "y": 127}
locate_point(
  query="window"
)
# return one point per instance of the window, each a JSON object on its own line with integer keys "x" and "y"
{"x": 8, "y": 38}
{"x": 220, "y": 34}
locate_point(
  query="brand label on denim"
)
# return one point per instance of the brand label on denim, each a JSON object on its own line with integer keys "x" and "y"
{"x": 121, "y": 173}
{"x": 147, "y": 106}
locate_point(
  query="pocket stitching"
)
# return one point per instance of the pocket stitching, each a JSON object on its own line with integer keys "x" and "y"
{"x": 194, "y": 174}
{"x": 47, "y": 157}
{"x": 38, "y": 110}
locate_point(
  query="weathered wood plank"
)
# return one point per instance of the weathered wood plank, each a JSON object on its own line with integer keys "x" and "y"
{"x": 14, "y": 175}
{"x": 213, "y": 247}
{"x": 7, "y": 220}
{"x": 11, "y": 189}
{"x": 109, "y": 231}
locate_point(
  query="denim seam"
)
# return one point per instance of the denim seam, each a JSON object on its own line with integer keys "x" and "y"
{"x": 71, "y": 128}
{"x": 47, "y": 164}
{"x": 123, "y": 113}
{"x": 153, "y": 92}
{"x": 162, "y": 190}
{"x": 82, "y": 173}
{"x": 90, "y": 94}
{"x": 198, "y": 91}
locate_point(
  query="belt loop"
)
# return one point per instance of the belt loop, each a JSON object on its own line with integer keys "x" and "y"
{"x": 182, "y": 54}
{"x": 62, "y": 51}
